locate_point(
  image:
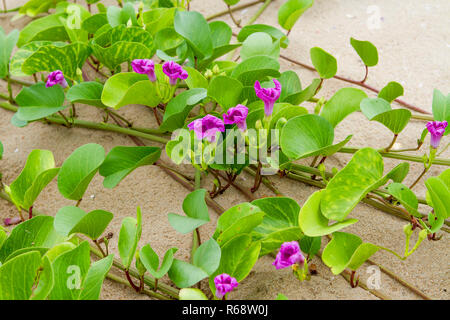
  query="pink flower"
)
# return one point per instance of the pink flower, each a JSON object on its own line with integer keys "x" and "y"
{"x": 174, "y": 71}
{"x": 288, "y": 255}
{"x": 437, "y": 130}
{"x": 56, "y": 77}
{"x": 224, "y": 284}
{"x": 207, "y": 127}
{"x": 268, "y": 95}
{"x": 12, "y": 221}
{"x": 237, "y": 115}
{"x": 144, "y": 66}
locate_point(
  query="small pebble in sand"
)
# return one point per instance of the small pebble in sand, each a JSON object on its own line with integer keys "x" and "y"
{"x": 350, "y": 16}
{"x": 17, "y": 150}
{"x": 92, "y": 196}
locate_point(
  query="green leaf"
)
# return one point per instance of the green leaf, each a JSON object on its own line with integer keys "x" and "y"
{"x": 220, "y": 33}
{"x": 281, "y": 296}
{"x": 259, "y": 44}
{"x": 325, "y": 63}
{"x": 89, "y": 93}
{"x": 1, "y": 150}
{"x": 439, "y": 194}
{"x": 291, "y": 11}
{"x": 441, "y": 108}
{"x": 205, "y": 262}
{"x": 377, "y": 109}
{"x": 168, "y": 40}
{"x": 349, "y": 186}
{"x": 313, "y": 223}
{"x": 92, "y": 285}
{"x": 399, "y": 173}
{"x": 240, "y": 219}
{"x": 290, "y": 84}
{"x": 150, "y": 260}
{"x": 49, "y": 28}
{"x": 121, "y": 161}
{"x": 39, "y": 170}
{"x": 366, "y": 51}
{"x": 193, "y": 27}
{"x": 7, "y": 44}
{"x": 46, "y": 281}
{"x": 69, "y": 59}
{"x": 391, "y": 91}
{"x": 310, "y": 245}
{"x": 37, "y": 101}
{"x": 239, "y": 255}
{"x": 94, "y": 22}
{"x": 36, "y": 232}
{"x": 78, "y": 170}
{"x": 196, "y": 210}
{"x": 70, "y": 268}
{"x": 121, "y": 16}
{"x": 256, "y": 68}
{"x": 344, "y": 102}
{"x": 59, "y": 249}
{"x": 315, "y": 133}
{"x": 179, "y": 107}
{"x": 70, "y": 220}
{"x": 225, "y": 90}
{"x": 346, "y": 250}
{"x": 129, "y": 236}
{"x": 192, "y": 294}
{"x": 279, "y": 225}
{"x": 285, "y": 111}
{"x": 275, "y": 33}
{"x": 405, "y": 196}
{"x": 158, "y": 19}
{"x": 195, "y": 79}
{"x": 34, "y": 7}
{"x": 129, "y": 88}
{"x": 17, "y": 276}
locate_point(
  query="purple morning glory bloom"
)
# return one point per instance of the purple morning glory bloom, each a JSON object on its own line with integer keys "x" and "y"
{"x": 144, "y": 66}
{"x": 268, "y": 95}
{"x": 207, "y": 127}
{"x": 56, "y": 77}
{"x": 174, "y": 71}
{"x": 224, "y": 284}
{"x": 288, "y": 255}
{"x": 437, "y": 130}
{"x": 237, "y": 115}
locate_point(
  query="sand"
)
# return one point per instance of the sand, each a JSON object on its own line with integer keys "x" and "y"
{"x": 413, "y": 43}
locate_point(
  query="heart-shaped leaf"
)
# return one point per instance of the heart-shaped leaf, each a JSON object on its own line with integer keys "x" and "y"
{"x": 377, "y": 109}
{"x": 150, "y": 260}
{"x": 349, "y": 186}
{"x": 279, "y": 225}
{"x": 226, "y": 91}
{"x": 37, "y": 101}
{"x": 196, "y": 210}
{"x": 70, "y": 220}
{"x": 391, "y": 91}
{"x": 344, "y": 102}
{"x": 129, "y": 88}
{"x": 366, "y": 51}
{"x": 121, "y": 161}
{"x": 39, "y": 170}
{"x": 129, "y": 236}
{"x": 313, "y": 223}
{"x": 325, "y": 63}
{"x": 346, "y": 250}
{"x": 78, "y": 170}
{"x": 205, "y": 262}
{"x": 92, "y": 284}
{"x": 89, "y": 93}
{"x": 291, "y": 11}
{"x": 315, "y": 133}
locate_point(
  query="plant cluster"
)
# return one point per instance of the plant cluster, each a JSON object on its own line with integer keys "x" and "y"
{"x": 222, "y": 115}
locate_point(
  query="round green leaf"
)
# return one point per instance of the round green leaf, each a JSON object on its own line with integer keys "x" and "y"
{"x": 391, "y": 91}
{"x": 366, "y": 51}
{"x": 379, "y": 110}
{"x": 275, "y": 33}
{"x": 290, "y": 12}
{"x": 325, "y": 63}
{"x": 259, "y": 44}
{"x": 89, "y": 93}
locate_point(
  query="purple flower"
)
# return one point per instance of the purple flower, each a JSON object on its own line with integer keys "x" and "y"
{"x": 268, "y": 95}
{"x": 288, "y": 255}
{"x": 237, "y": 115}
{"x": 207, "y": 127}
{"x": 436, "y": 129}
{"x": 144, "y": 66}
{"x": 224, "y": 284}
{"x": 174, "y": 71}
{"x": 56, "y": 77}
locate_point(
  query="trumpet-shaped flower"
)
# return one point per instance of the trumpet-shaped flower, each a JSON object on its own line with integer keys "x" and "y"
{"x": 224, "y": 284}
{"x": 144, "y": 66}
{"x": 288, "y": 255}
{"x": 268, "y": 95}
{"x": 56, "y": 77}
{"x": 207, "y": 127}
{"x": 437, "y": 130}
{"x": 237, "y": 115}
{"x": 174, "y": 71}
